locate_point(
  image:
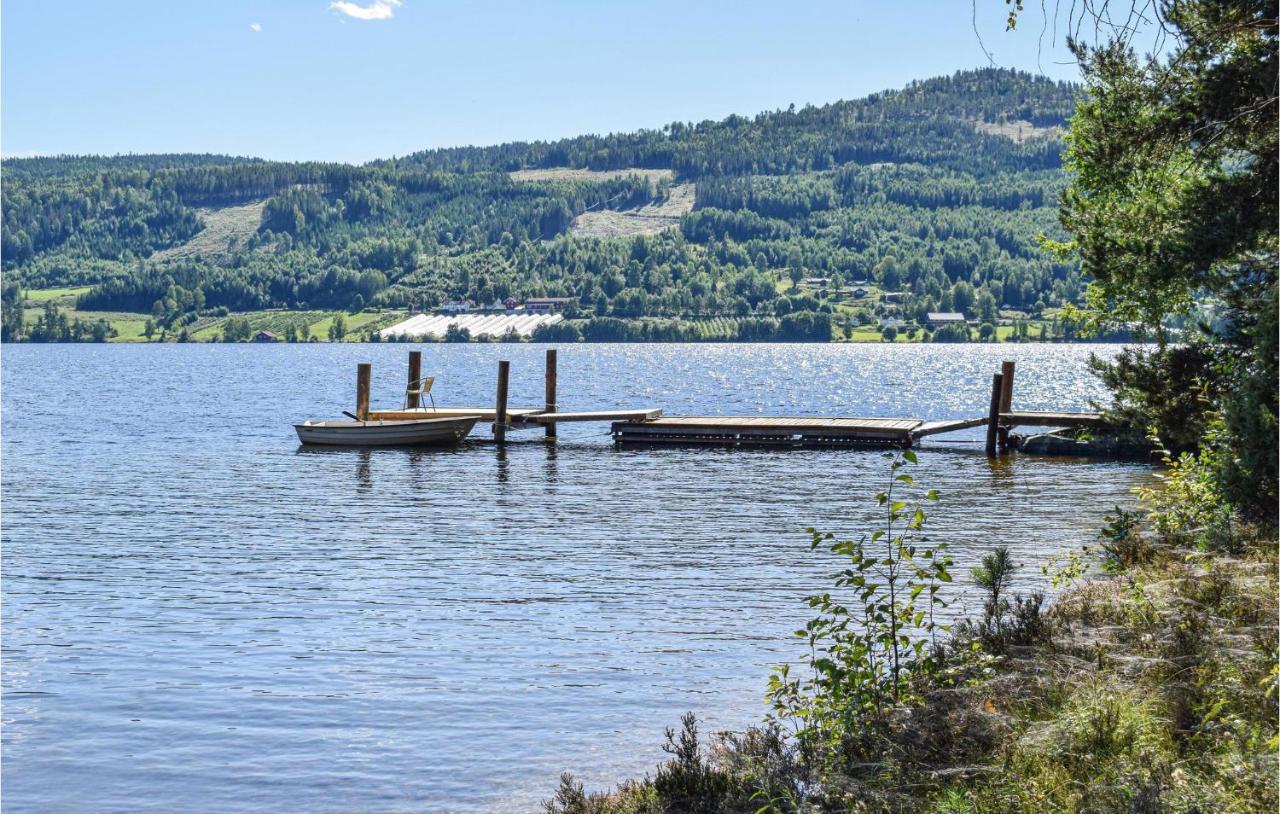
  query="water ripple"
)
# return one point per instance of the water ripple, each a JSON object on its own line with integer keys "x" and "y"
{"x": 200, "y": 616}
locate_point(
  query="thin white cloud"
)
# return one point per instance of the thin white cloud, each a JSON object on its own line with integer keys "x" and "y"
{"x": 255, "y": 27}
{"x": 376, "y": 10}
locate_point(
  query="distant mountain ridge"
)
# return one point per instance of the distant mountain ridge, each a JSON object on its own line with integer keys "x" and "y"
{"x": 894, "y": 125}
{"x": 938, "y": 190}
{"x": 963, "y": 99}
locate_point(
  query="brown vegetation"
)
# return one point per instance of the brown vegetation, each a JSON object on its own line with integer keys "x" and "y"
{"x": 1150, "y": 687}
{"x": 225, "y": 230}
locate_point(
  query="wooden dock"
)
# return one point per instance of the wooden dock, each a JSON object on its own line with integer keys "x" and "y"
{"x": 804, "y": 431}
{"x": 951, "y": 425}
{"x": 482, "y": 413}
{"x": 651, "y": 414}
{"x": 773, "y": 431}
{"x": 1026, "y": 418}
{"x": 516, "y": 416}
{"x": 648, "y": 426}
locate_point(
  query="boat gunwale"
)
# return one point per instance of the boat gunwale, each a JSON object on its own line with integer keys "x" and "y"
{"x": 337, "y": 424}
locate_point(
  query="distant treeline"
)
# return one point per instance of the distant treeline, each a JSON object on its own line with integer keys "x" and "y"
{"x": 929, "y": 122}
{"x": 902, "y": 191}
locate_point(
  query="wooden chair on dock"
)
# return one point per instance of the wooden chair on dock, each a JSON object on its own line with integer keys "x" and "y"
{"x": 417, "y": 389}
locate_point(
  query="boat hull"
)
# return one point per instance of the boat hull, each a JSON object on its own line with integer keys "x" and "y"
{"x": 415, "y": 433}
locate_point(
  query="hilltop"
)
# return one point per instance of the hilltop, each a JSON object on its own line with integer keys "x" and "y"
{"x": 926, "y": 198}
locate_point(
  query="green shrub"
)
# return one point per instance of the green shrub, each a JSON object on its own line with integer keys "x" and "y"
{"x": 867, "y": 649}
{"x": 687, "y": 782}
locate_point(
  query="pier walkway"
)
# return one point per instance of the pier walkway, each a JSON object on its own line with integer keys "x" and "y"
{"x": 648, "y": 426}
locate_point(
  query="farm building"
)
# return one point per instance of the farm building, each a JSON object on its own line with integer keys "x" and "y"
{"x": 547, "y": 305}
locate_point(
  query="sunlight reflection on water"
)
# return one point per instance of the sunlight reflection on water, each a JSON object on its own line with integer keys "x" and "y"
{"x": 199, "y": 615}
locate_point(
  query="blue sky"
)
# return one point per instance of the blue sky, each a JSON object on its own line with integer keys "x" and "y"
{"x": 355, "y": 80}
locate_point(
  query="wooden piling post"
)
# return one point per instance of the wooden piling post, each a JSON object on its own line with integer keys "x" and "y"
{"x": 993, "y": 414}
{"x": 415, "y": 373}
{"x": 1006, "y": 387}
{"x": 550, "y": 406}
{"x": 364, "y": 372}
{"x": 500, "y": 413}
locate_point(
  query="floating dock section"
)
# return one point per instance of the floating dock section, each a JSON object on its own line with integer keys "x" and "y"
{"x": 798, "y": 431}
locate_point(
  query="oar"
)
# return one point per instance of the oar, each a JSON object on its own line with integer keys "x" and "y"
{"x": 352, "y": 416}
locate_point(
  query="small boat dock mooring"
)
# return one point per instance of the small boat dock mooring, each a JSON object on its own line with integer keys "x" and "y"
{"x": 649, "y": 427}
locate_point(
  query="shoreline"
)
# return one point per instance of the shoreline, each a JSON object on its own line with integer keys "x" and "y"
{"x": 1146, "y": 684}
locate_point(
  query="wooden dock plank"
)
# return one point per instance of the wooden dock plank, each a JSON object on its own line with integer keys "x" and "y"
{"x": 950, "y": 425}
{"x": 898, "y": 425}
{"x": 1050, "y": 419}
{"x": 484, "y": 413}
{"x": 770, "y": 431}
{"x": 599, "y": 415}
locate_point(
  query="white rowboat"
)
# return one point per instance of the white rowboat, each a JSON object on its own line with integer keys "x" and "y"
{"x": 415, "y": 432}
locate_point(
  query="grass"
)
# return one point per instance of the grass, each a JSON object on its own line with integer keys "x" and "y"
{"x": 355, "y": 323}
{"x": 278, "y": 321}
{"x": 42, "y": 295}
{"x": 1147, "y": 687}
{"x": 870, "y": 333}
{"x": 129, "y": 326}
{"x": 209, "y": 329}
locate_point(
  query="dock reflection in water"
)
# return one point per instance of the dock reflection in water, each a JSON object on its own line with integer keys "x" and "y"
{"x": 198, "y": 616}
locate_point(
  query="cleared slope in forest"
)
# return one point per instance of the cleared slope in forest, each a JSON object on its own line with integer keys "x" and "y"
{"x": 649, "y": 219}
{"x": 225, "y": 229}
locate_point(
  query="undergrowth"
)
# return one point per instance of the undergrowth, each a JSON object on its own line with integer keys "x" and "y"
{"x": 1148, "y": 685}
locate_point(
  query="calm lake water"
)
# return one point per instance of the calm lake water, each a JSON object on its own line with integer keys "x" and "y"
{"x": 199, "y": 616}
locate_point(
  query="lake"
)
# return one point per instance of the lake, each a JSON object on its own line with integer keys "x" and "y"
{"x": 199, "y": 615}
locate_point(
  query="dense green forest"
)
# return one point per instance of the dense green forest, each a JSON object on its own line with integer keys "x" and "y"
{"x": 937, "y": 194}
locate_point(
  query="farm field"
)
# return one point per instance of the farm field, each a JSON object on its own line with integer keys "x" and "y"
{"x": 314, "y": 325}
{"x": 45, "y": 294}
{"x": 130, "y": 326}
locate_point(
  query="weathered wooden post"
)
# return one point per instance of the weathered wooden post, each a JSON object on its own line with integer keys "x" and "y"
{"x": 364, "y": 372}
{"x": 415, "y": 373}
{"x": 550, "y": 406}
{"x": 993, "y": 414}
{"x": 500, "y": 413}
{"x": 1006, "y": 387}
{"x": 1006, "y": 401}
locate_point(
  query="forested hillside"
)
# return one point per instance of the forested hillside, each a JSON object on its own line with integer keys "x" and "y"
{"x": 932, "y": 197}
